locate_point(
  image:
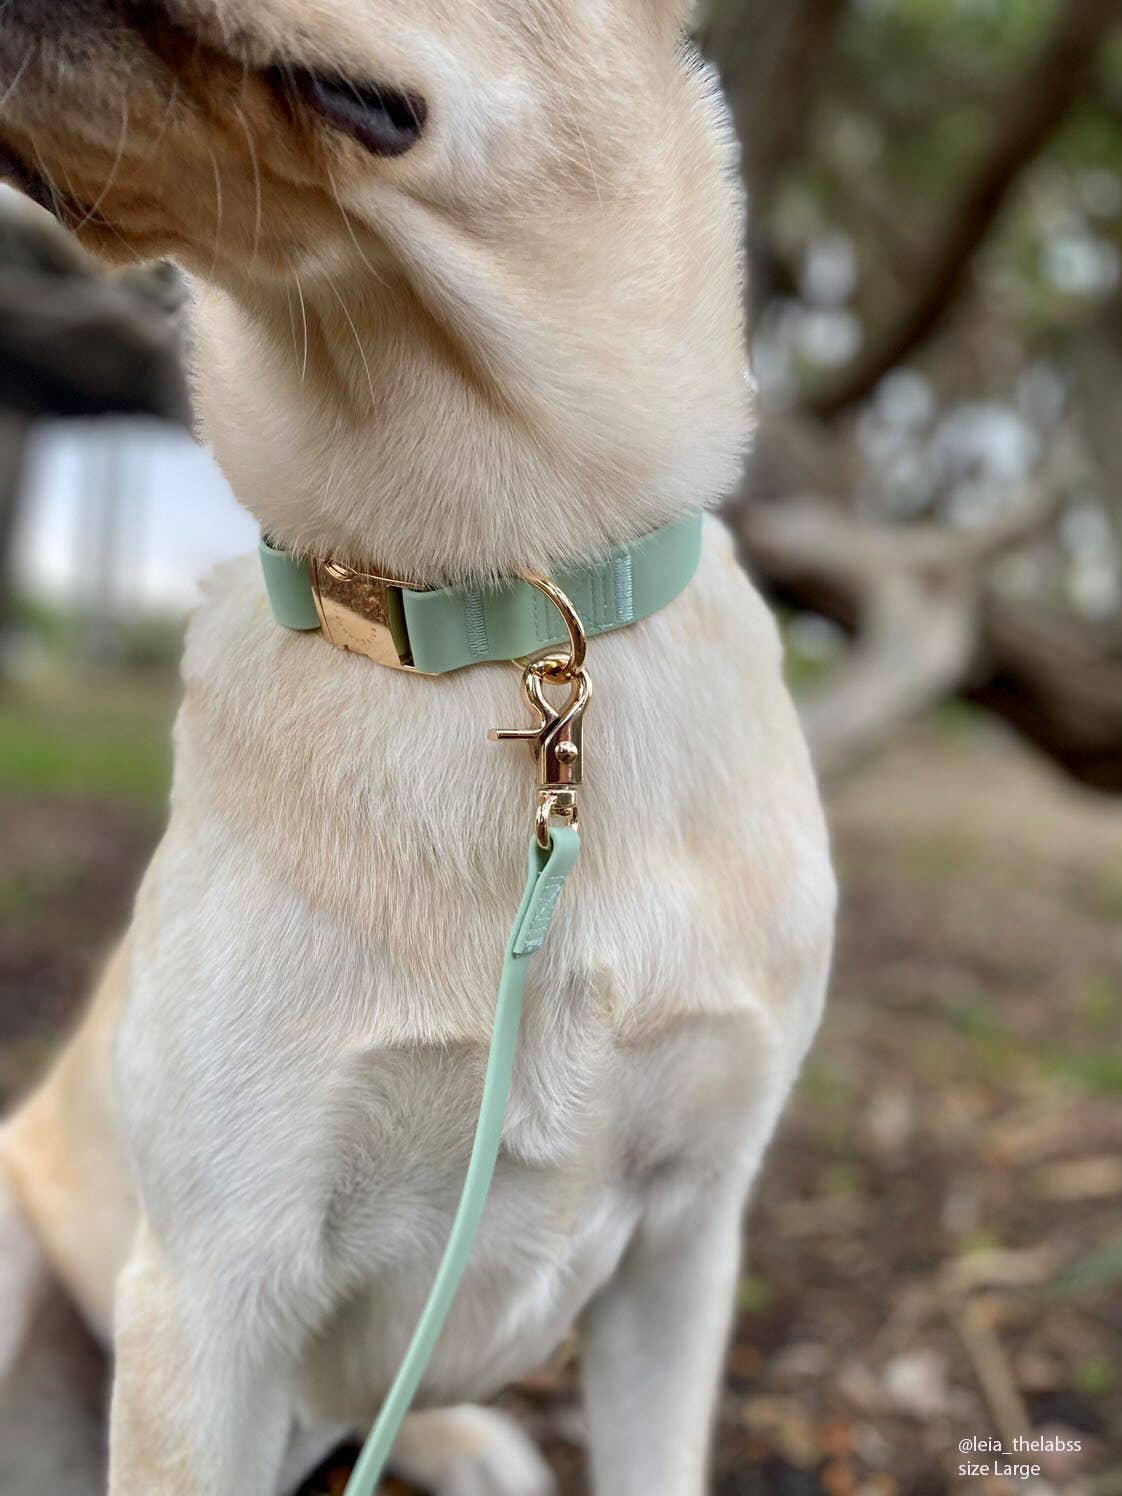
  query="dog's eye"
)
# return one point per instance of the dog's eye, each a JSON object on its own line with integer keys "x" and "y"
{"x": 387, "y": 121}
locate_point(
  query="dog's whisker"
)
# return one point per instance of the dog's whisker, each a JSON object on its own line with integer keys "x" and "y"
{"x": 219, "y": 208}
{"x": 291, "y": 320}
{"x": 8, "y": 93}
{"x": 105, "y": 227}
{"x": 358, "y": 340}
{"x": 103, "y": 224}
{"x": 259, "y": 221}
{"x": 414, "y": 112}
{"x": 57, "y": 198}
{"x": 113, "y": 170}
{"x": 165, "y": 122}
{"x": 304, "y": 318}
{"x": 69, "y": 185}
{"x": 350, "y": 225}
{"x": 291, "y": 90}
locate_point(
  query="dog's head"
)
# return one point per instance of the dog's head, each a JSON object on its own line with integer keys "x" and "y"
{"x": 514, "y": 222}
{"x": 210, "y": 130}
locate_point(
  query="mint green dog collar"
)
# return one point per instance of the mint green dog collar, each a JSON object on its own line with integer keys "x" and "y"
{"x": 435, "y": 631}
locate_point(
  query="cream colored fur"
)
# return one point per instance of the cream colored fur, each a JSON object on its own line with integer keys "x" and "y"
{"x": 511, "y": 346}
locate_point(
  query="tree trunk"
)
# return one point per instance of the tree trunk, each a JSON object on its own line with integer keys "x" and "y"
{"x": 772, "y": 59}
{"x": 14, "y": 432}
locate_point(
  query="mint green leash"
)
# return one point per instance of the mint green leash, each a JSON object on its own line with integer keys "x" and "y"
{"x": 549, "y": 868}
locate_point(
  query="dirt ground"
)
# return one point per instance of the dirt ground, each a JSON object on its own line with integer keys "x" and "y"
{"x": 935, "y": 1252}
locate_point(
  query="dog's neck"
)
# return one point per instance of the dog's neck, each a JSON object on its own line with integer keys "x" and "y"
{"x": 452, "y": 407}
{"x": 353, "y": 424}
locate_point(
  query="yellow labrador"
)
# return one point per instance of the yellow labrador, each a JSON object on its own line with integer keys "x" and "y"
{"x": 468, "y": 300}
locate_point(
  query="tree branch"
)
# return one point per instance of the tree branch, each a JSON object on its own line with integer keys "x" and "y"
{"x": 75, "y": 341}
{"x": 929, "y": 625}
{"x": 14, "y": 432}
{"x": 772, "y": 59}
{"x": 1058, "y": 681}
{"x": 1037, "y": 106}
{"x": 85, "y": 347}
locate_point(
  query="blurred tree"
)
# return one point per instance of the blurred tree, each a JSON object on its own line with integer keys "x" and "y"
{"x": 773, "y": 60}
{"x": 936, "y": 231}
{"x": 14, "y": 430}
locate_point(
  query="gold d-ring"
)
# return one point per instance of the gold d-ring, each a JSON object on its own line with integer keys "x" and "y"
{"x": 578, "y": 639}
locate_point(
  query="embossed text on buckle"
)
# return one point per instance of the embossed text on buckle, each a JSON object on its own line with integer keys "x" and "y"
{"x": 363, "y": 613}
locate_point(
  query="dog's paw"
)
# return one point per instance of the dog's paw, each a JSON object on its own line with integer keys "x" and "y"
{"x": 471, "y": 1452}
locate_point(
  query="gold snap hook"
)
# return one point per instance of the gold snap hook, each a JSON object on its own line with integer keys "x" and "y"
{"x": 558, "y": 740}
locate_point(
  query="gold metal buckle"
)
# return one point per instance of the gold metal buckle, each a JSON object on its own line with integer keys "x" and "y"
{"x": 363, "y": 612}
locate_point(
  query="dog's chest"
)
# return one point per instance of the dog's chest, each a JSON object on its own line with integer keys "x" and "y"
{"x": 318, "y": 946}
{"x": 584, "y": 1158}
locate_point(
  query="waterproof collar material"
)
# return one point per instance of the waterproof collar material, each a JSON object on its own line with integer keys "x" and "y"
{"x": 434, "y": 631}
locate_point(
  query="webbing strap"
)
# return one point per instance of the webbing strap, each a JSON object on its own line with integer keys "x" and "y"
{"x": 548, "y": 871}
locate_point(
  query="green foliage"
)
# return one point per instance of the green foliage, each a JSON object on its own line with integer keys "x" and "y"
{"x": 754, "y": 1294}
{"x": 1096, "y": 1376}
{"x": 110, "y": 742}
{"x": 1094, "y": 1071}
{"x": 1100, "y": 1269}
{"x": 1099, "y": 1003}
{"x": 145, "y": 640}
{"x": 1105, "y": 893}
{"x": 909, "y": 107}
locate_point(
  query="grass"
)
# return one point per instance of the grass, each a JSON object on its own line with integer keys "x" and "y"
{"x": 1099, "y": 1004}
{"x": 754, "y": 1294}
{"x": 107, "y": 739}
{"x": 24, "y": 892}
{"x": 1106, "y": 893}
{"x": 1088, "y": 1072}
{"x": 1102, "y": 1267}
{"x": 996, "y": 1047}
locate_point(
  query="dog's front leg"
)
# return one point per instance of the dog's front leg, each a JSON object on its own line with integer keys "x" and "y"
{"x": 653, "y": 1345}
{"x": 200, "y": 1408}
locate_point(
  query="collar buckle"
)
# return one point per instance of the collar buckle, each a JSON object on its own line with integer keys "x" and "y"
{"x": 363, "y": 612}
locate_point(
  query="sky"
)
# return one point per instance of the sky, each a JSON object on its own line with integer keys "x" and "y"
{"x": 160, "y": 497}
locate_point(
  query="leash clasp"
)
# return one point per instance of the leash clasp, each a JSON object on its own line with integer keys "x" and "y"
{"x": 557, "y": 741}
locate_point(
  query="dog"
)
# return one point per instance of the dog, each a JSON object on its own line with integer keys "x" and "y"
{"x": 468, "y": 296}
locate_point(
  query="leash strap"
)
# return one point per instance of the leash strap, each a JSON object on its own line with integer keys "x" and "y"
{"x": 549, "y": 868}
